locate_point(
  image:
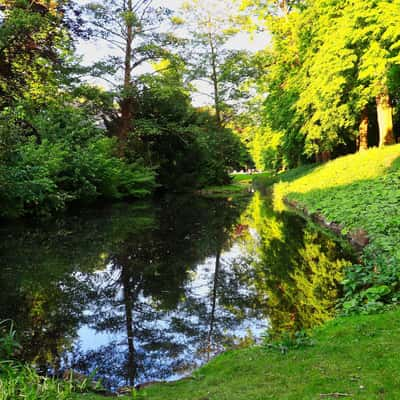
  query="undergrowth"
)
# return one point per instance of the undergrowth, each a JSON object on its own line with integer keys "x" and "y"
{"x": 22, "y": 381}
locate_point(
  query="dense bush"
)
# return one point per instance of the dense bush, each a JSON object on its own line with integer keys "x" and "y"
{"x": 188, "y": 148}
{"x": 62, "y": 157}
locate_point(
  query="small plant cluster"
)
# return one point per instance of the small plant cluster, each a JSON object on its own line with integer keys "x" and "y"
{"x": 288, "y": 341}
{"x": 371, "y": 286}
{"x": 20, "y": 381}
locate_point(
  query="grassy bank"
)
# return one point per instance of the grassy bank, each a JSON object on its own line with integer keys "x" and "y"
{"x": 360, "y": 191}
{"x": 357, "y": 356}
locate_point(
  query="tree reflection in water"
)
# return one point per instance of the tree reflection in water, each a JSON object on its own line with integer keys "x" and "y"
{"x": 166, "y": 285}
{"x": 295, "y": 266}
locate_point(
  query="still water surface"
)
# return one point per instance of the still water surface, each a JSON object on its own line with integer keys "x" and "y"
{"x": 150, "y": 291}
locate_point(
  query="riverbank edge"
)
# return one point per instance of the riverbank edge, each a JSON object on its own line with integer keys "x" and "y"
{"x": 354, "y": 356}
{"x": 358, "y": 239}
{"x": 241, "y": 184}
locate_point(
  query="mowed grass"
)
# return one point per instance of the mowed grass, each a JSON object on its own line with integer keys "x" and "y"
{"x": 360, "y": 191}
{"x": 357, "y": 356}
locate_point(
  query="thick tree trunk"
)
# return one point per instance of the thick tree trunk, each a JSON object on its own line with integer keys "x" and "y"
{"x": 362, "y": 140}
{"x": 323, "y": 157}
{"x": 385, "y": 119}
{"x": 126, "y": 103}
{"x": 326, "y": 156}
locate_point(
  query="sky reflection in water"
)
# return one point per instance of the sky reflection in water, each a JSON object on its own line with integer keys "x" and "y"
{"x": 150, "y": 291}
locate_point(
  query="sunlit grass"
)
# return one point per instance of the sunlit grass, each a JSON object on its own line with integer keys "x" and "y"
{"x": 360, "y": 191}
{"x": 343, "y": 171}
{"x": 249, "y": 178}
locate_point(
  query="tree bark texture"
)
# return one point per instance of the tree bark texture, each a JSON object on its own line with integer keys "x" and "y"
{"x": 385, "y": 120}
{"x": 363, "y": 131}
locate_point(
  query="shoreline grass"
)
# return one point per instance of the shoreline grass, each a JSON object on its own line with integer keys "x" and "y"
{"x": 357, "y": 356}
{"x": 359, "y": 191}
{"x": 241, "y": 183}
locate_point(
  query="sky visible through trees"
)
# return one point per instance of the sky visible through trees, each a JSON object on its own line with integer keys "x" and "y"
{"x": 94, "y": 50}
{"x": 123, "y": 99}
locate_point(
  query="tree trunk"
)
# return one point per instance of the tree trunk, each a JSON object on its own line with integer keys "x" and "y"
{"x": 326, "y": 156}
{"x": 362, "y": 140}
{"x": 126, "y": 103}
{"x": 213, "y": 303}
{"x": 323, "y": 157}
{"x": 284, "y": 6}
{"x": 385, "y": 119}
{"x": 131, "y": 370}
{"x": 214, "y": 78}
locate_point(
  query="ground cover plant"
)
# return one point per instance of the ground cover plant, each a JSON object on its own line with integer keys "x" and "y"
{"x": 360, "y": 192}
{"x": 22, "y": 381}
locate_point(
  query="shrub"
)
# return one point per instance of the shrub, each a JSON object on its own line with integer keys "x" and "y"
{"x": 63, "y": 157}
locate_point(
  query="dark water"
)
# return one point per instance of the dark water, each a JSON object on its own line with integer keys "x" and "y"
{"x": 150, "y": 291}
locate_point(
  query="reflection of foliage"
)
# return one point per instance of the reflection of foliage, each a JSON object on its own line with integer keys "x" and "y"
{"x": 101, "y": 267}
{"x": 297, "y": 267}
{"x": 42, "y": 285}
{"x": 159, "y": 279}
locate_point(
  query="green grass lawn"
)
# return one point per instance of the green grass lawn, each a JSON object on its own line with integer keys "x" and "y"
{"x": 360, "y": 191}
{"x": 356, "y": 355}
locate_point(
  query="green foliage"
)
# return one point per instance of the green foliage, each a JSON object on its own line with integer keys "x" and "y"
{"x": 186, "y": 146}
{"x": 8, "y": 343}
{"x": 35, "y": 51}
{"x": 20, "y": 381}
{"x": 370, "y": 287}
{"x": 316, "y": 89}
{"x": 65, "y": 158}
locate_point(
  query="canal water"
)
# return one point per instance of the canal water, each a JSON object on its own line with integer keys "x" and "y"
{"x": 133, "y": 293}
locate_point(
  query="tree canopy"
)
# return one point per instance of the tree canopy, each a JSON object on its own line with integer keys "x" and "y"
{"x": 330, "y": 72}
{"x": 325, "y": 84}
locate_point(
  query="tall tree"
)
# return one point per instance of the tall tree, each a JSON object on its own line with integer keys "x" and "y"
{"x": 319, "y": 91}
{"x": 133, "y": 28}
{"x": 211, "y": 26}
